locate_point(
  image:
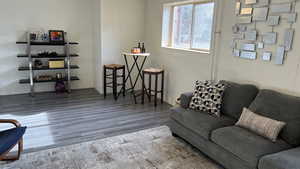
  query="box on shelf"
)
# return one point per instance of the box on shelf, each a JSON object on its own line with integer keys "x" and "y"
{"x": 56, "y": 63}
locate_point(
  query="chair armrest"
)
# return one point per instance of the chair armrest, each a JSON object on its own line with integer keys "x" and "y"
{"x": 185, "y": 99}
{"x": 288, "y": 159}
{"x": 14, "y": 122}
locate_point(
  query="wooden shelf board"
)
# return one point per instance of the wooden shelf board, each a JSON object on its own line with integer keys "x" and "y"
{"x": 47, "y": 43}
{"x": 27, "y": 81}
{"x": 40, "y": 57}
{"x": 26, "y": 68}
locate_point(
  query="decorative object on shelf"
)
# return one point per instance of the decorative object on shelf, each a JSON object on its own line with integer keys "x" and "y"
{"x": 42, "y": 78}
{"x": 260, "y": 14}
{"x": 266, "y": 56}
{"x": 60, "y": 86}
{"x": 56, "y": 36}
{"x": 33, "y": 37}
{"x": 48, "y": 54}
{"x": 39, "y": 36}
{"x": 280, "y": 55}
{"x": 56, "y": 63}
{"x": 38, "y": 63}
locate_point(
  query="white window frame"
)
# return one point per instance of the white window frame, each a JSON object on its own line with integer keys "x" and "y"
{"x": 170, "y": 7}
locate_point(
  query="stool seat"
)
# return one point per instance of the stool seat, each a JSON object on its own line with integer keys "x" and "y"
{"x": 153, "y": 70}
{"x": 114, "y": 66}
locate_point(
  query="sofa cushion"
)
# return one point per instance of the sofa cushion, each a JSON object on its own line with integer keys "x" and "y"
{"x": 200, "y": 122}
{"x": 245, "y": 144}
{"x": 9, "y": 138}
{"x": 288, "y": 159}
{"x": 280, "y": 107}
{"x": 236, "y": 97}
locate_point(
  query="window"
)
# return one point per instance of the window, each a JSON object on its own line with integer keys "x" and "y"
{"x": 188, "y": 25}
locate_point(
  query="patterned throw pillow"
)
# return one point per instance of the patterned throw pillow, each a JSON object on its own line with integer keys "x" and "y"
{"x": 208, "y": 97}
{"x": 261, "y": 125}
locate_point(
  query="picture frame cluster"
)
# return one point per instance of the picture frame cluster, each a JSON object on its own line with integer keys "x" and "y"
{"x": 249, "y": 41}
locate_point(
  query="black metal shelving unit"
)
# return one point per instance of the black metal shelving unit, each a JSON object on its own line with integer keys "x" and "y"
{"x": 30, "y": 68}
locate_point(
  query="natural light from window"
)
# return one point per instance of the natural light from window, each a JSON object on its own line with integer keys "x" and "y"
{"x": 188, "y": 25}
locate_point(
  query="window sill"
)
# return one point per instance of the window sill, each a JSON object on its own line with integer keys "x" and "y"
{"x": 188, "y": 50}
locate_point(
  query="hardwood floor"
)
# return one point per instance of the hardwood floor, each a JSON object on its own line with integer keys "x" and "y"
{"x": 62, "y": 119}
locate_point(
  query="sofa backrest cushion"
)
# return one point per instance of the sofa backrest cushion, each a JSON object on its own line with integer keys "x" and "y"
{"x": 236, "y": 97}
{"x": 280, "y": 107}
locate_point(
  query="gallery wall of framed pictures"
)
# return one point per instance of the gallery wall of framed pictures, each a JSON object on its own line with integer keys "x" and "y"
{"x": 251, "y": 42}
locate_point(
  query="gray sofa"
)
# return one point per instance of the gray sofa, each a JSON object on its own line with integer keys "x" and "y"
{"x": 237, "y": 148}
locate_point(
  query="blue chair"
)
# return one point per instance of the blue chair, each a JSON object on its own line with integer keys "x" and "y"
{"x": 9, "y": 139}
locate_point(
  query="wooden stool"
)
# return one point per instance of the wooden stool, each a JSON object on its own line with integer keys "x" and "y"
{"x": 114, "y": 76}
{"x": 156, "y": 73}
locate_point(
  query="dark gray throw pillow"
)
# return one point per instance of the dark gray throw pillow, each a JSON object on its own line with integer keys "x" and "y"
{"x": 207, "y": 97}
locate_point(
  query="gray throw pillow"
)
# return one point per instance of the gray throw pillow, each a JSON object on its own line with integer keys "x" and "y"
{"x": 261, "y": 125}
{"x": 207, "y": 97}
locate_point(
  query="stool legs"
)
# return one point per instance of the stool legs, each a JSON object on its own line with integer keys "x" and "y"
{"x": 150, "y": 86}
{"x": 124, "y": 82}
{"x": 113, "y": 75}
{"x": 162, "y": 87}
{"x": 155, "y": 90}
{"x": 143, "y": 88}
{"x": 115, "y": 84}
{"x": 104, "y": 82}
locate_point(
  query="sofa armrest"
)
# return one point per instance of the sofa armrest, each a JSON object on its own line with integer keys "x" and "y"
{"x": 14, "y": 122}
{"x": 288, "y": 159}
{"x": 185, "y": 99}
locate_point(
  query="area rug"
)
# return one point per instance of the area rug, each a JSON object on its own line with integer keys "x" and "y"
{"x": 148, "y": 149}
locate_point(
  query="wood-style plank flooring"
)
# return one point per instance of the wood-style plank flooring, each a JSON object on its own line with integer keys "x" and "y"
{"x": 62, "y": 119}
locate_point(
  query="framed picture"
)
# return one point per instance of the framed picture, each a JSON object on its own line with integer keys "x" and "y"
{"x": 56, "y": 36}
